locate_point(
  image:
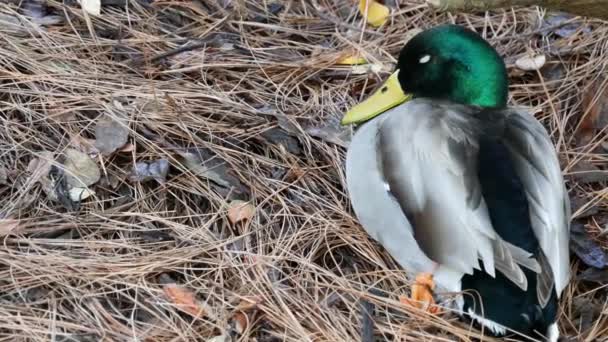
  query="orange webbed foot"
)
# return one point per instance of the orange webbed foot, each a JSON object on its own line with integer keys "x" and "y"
{"x": 422, "y": 294}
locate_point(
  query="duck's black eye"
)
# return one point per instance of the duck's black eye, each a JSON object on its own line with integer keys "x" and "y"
{"x": 384, "y": 89}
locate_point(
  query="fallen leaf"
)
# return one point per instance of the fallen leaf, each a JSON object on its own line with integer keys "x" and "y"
{"x": 219, "y": 338}
{"x": 332, "y": 133}
{"x": 204, "y": 163}
{"x": 530, "y": 63}
{"x": 240, "y": 211}
{"x": 589, "y": 251}
{"x": 586, "y": 173}
{"x": 8, "y": 226}
{"x": 3, "y": 176}
{"x": 240, "y": 322}
{"x": 585, "y": 312}
{"x": 595, "y": 275}
{"x": 80, "y": 170}
{"x": 595, "y": 111}
{"x": 156, "y": 170}
{"x": 110, "y": 134}
{"x": 279, "y": 137}
{"x": 577, "y": 203}
{"x": 367, "y": 320}
{"x": 39, "y": 13}
{"x": 184, "y": 299}
{"x": 562, "y": 24}
{"x": 92, "y": 7}
{"x": 375, "y": 13}
{"x": 249, "y": 303}
{"x": 351, "y": 60}
{"x": 39, "y": 167}
{"x": 127, "y": 148}
{"x": 79, "y": 194}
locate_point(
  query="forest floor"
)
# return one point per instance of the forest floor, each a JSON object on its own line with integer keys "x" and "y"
{"x": 174, "y": 170}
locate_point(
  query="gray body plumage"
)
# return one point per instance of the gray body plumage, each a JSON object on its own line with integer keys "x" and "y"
{"x": 412, "y": 180}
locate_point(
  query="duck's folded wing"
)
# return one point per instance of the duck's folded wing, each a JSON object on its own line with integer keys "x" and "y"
{"x": 537, "y": 165}
{"x": 428, "y": 155}
{"x": 377, "y": 211}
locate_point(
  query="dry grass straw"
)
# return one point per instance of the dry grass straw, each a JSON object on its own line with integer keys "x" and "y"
{"x": 93, "y": 274}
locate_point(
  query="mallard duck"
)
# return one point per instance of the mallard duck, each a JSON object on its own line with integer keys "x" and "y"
{"x": 463, "y": 191}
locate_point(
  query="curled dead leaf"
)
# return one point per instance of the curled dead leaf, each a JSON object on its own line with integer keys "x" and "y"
{"x": 184, "y": 299}
{"x": 111, "y": 134}
{"x": 375, "y": 12}
{"x": 80, "y": 170}
{"x": 240, "y": 322}
{"x": 79, "y": 194}
{"x": 92, "y": 7}
{"x": 249, "y": 303}
{"x": 156, "y": 170}
{"x": 240, "y": 211}
{"x": 595, "y": 114}
{"x": 39, "y": 167}
{"x": 530, "y": 63}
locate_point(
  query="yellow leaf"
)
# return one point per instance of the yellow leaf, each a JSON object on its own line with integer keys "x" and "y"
{"x": 240, "y": 211}
{"x": 377, "y": 13}
{"x": 351, "y": 60}
{"x": 184, "y": 299}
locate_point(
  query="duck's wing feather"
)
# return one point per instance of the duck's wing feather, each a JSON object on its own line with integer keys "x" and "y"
{"x": 537, "y": 165}
{"x": 376, "y": 209}
{"x": 428, "y": 154}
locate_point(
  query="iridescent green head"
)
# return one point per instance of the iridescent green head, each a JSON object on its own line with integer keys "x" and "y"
{"x": 447, "y": 62}
{"x": 450, "y": 62}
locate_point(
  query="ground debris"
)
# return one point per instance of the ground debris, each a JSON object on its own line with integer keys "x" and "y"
{"x": 204, "y": 163}
{"x": 182, "y": 297}
{"x": 239, "y": 211}
{"x": 595, "y": 111}
{"x": 111, "y": 134}
{"x": 80, "y": 170}
{"x": 145, "y": 171}
{"x": 8, "y": 226}
{"x": 332, "y": 133}
{"x": 589, "y": 251}
{"x": 3, "y": 176}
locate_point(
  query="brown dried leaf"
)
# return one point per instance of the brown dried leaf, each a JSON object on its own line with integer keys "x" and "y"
{"x": 240, "y": 211}
{"x": 184, "y": 299}
{"x": 8, "y": 226}
{"x": 111, "y": 134}
{"x": 39, "y": 167}
{"x": 249, "y": 303}
{"x": 80, "y": 170}
{"x": 240, "y": 322}
{"x": 595, "y": 106}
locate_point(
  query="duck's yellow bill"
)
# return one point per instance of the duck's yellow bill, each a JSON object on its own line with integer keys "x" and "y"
{"x": 385, "y": 98}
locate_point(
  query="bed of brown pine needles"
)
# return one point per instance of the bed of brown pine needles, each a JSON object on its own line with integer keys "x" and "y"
{"x": 250, "y": 84}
